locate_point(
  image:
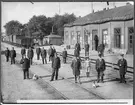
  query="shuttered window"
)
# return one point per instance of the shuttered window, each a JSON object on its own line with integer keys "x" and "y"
{"x": 117, "y": 37}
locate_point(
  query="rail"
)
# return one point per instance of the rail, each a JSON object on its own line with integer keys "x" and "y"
{"x": 108, "y": 64}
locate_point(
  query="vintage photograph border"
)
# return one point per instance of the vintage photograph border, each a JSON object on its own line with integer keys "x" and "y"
{"x": 116, "y": 102}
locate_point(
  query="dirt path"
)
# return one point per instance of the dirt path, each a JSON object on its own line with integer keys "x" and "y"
{"x": 15, "y": 88}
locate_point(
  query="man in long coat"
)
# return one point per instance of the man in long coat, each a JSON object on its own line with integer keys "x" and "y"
{"x": 76, "y": 66}
{"x": 43, "y": 55}
{"x": 30, "y": 54}
{"x": 12, "y": 55}
{"x": 86, "y": 49}
{"x": 38, "y": 51}
{"x": 7, "y": 54}
{"x": 100, "y": 68}
{"x": 23, "y": 52}
{"x": 51, "y": 53}
{"x": 76, "y": 52}
{"x": 122, "y": 63}
{"x": 78, "y": 47}
{"x": 96, "y": 42}
{"x": 25, "y": 66}
{"x": 56, "y": 64}
{"x": 101, "y": 49}
{"x": 64, "y": 55}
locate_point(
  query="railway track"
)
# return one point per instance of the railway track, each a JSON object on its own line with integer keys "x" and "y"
{"x": 108, "y": 64}
{"x": 59, "y": 94}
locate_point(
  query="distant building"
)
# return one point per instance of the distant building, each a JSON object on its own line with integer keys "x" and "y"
{"x": 53, "y": 39}
{"x": 115, "y": 27}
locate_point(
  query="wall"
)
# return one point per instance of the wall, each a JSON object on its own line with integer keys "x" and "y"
{"x": 110, "y": 26}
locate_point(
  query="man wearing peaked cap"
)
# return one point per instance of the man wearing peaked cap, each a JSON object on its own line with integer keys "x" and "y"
{"x": 122, "y": 63}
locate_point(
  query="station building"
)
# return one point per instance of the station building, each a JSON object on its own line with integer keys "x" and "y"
{"x": 115, "y": 27}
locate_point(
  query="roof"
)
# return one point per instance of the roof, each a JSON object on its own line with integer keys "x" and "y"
{"x": 119, "y": 13}
{"x": 36, "y": 33}
{"x": 52, "y": 35}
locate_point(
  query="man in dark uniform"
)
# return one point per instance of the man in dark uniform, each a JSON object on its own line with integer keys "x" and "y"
{"x": 122, "y": 63}
{"x": 43, "y": 55}
{"x": 30, "y": 54}
{"x": 77, "y": 46}
{"x": 7, "y": 54}
{"x": 76, "y": 52}
{"x": 38, "y": 51}
{"x": 100, "y": 68}
{"x": 76, "y": 66}
{"x": 96, "y": 41}
{"x": 12, "y": 55}
{"x": 86, "y": 49}
{"x": 55, "y": 66}
{"x": 23, "y": 52}
{"x": 25, "y": 66}
{"x": 64, "y": 55}
{"x": 54, "y": 50}
{"x": 51, "y": 53}
{"x": 101, "y": 49}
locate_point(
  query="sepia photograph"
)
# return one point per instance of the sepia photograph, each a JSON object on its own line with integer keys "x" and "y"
{"x": 67, "y": 52}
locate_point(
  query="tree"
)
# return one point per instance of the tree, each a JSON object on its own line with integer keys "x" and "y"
{"x": 59, "y": 22}
{"x": 40, "y": 24}
{"x": 13, "y": 27}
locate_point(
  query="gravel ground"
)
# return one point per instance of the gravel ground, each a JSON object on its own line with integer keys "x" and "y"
{"x": 15, "y": 88}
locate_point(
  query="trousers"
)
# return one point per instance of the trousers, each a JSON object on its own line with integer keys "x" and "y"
{"x": 26, "y": 73}
{"x": 54, "y": 73}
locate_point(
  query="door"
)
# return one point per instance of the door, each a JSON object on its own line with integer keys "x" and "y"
{"x": 130, "y": 39}
{"x": 94, "y": 32}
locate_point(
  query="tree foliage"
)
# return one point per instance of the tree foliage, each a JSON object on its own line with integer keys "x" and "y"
{"x": 41, "y": 24}
{"x": 13, "y": 27}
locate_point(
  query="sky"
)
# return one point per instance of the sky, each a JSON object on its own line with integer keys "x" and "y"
{"x": 23, "y": 11}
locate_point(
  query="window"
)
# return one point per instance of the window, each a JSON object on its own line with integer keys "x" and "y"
{"x": 117, "y": 37}
{"x": 66, "y": 37}
{"x": 86, "y": 36}
{"x": 130, "y": 35}
{"x": 105, "y": 37}
{"x": 72, "y": 37}
{"x": 78, "y": 36}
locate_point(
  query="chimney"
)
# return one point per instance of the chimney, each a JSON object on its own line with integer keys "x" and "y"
{"x": 128, "y": 3}
{"x": 92, "y": 10}
{"x": 114, "y": 5}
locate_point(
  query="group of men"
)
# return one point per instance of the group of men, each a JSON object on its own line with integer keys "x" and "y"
{"x": 100, "y": 62}
{"x": 56, "y": 62}
{"x": 10, "y": 54}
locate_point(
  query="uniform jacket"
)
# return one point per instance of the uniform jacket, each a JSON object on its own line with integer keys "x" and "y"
{"x": 43, "y": 53}
{"x": 76, "y": 53}
{"x": 12, "y": 53}
{"x": 38, "y": 50}
{"x": 25, "y": 63}
{"x": 30, "y": 53}
{"x": 64, "y": 54}
{"x": 7, "y": 53}
{"x": 76, "y": 66}
{"x": 100, "y": 65}
{"x": 56, "y": 63}
{"x": 50, "y": 52}
{"x": 122, "y": 66}
{"x": 78, "y": 46}
{"x": 86, "y": 47}
{"x": 23, "y": 51}
{"x": 54, "y": 51}
{"x": 96, "y": 38}
{"x": 101, "y": 47}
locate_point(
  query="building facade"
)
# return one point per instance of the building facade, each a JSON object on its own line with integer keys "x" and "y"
{"x": 114, "y": 27}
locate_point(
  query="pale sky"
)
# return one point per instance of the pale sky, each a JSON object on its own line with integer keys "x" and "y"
{"x": 23, "y": 11}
